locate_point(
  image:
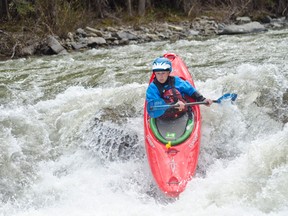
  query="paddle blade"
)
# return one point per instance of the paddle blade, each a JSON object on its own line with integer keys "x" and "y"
{"x": 155, "y": 111}
{"x": 227, "y": 97}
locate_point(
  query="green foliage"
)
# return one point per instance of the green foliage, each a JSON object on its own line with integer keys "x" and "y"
{"x": 22, "y": 9}
{"x": 108, "y": 22}
{"x": 68, "y": 18}
{"x": 61, "y": 16}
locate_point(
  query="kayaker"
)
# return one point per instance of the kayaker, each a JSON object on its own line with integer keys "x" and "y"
{"x": 171, "y": 88}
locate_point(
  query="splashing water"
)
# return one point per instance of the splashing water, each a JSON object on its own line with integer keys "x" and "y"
{"x": 71, "y": 131}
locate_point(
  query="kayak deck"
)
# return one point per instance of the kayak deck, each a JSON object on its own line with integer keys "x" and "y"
{"x": 175, "y": 131}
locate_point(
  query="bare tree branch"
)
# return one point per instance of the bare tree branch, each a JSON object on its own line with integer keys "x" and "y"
{"x": 13, "y": 50}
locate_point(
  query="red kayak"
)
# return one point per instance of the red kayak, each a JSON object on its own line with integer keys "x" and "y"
{"x": 172, "y": 146}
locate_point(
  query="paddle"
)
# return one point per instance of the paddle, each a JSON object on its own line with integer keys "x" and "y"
{"x": 158, "y": 108}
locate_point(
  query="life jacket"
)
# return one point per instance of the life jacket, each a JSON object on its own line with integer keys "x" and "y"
{"x": 171, "y": 96}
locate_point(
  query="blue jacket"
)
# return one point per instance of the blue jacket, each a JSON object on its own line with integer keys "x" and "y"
{"x": 182, "y": 86}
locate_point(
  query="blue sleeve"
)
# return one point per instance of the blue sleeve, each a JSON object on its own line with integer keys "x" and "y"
{"x": 152, "y": 93}
{"x": 184, "y": 86}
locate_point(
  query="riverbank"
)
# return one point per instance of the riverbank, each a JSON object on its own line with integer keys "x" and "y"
{"x": 26, "y": 43}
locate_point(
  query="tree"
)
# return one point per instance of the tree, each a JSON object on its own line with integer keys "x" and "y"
{"x": 141, "y": 7}
{"x": 282, "y": 7}
{"x": 129, "y": 7}
{"x": 4, "y": 13}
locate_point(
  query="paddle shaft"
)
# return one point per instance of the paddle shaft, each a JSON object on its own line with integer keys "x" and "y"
{"x": 161, "y": 107}
{"x": 177, "y": 105}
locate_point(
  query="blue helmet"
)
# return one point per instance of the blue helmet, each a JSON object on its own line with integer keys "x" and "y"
{"x": 162, "y": 64}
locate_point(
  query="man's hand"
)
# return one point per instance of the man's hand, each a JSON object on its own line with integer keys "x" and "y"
{"x": 208, "y": 102}
{"x": 181, "y": 105}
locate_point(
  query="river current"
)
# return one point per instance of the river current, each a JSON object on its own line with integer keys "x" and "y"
{"x": 72, "y": 140}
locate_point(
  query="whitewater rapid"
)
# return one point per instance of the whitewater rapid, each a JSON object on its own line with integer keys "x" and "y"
{"x": 72, "y": 140}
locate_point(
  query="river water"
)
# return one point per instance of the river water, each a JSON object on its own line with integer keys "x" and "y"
{"x": 71, "y": 131}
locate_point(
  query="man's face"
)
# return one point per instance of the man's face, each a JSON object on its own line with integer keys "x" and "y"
{"x": 162, "y": 76}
